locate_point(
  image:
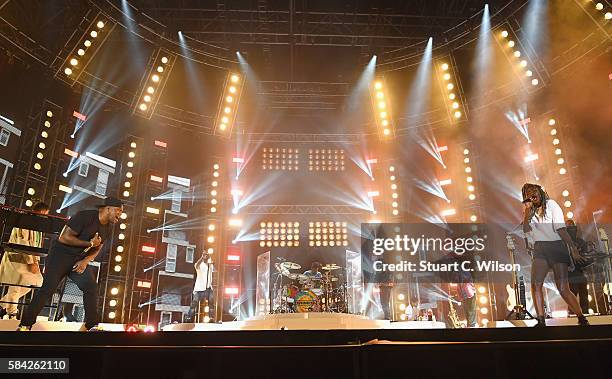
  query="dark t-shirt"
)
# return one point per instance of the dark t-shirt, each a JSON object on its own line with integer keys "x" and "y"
{"x": 85, "y": 224}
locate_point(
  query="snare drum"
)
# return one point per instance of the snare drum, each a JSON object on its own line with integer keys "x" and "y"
{"x": 307, "y": 301}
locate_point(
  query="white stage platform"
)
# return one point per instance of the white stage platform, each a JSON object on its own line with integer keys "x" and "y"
{"x": 306, "y": 321}
{"x": 298, "y": 321}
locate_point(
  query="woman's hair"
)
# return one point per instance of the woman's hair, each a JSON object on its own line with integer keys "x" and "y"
{"x": 543, "y": 195}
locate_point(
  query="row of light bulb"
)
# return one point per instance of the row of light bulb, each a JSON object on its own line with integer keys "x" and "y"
{"x": 74, "y": 61}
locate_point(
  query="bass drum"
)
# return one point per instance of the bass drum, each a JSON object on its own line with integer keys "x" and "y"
{"x": 307, "y": 301}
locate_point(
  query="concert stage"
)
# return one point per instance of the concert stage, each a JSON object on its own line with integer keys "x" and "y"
{"x": 388, "y": 350}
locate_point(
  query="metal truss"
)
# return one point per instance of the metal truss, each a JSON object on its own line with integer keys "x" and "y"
{"x": 355, "y": 138}
{"x": 343, "y": 26}
{"x": 303, "y": 210}
{"x": 303, "y": 95}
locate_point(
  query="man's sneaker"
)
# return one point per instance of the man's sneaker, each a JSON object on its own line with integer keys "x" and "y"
{"x": 95, "y": 328}
{"x": 24, "y": 328}
{"x": 582, "y": 321}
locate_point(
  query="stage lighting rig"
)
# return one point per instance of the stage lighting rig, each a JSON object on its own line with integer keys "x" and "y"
{"x": 451, "y": 87}
{"x": 228, "y": 104}
{"x": 279, "y": 234}
{"x": 153, "y": 82}
{"x": 327, "y": 234}
{"x": 326, "y": 160}
{"x": 516, "y": 56}
{"x": 561, "y": 166}
{"x": 471, "y": 188}
{"x": 382, "y": 109}
{"x": 280, "y": 159}
{"x": 93, "y": 33}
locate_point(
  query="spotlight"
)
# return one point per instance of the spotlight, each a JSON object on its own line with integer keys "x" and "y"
{"x": 100, "y": 24}
{"x": 565, "y": 193}
{"x": 81, "y": 52}
{"x": 378, "y": 85}
{"x": 534, "y": 82}
{"x": 444, "y": 66}
{"x": 87, "y": 43}
{"x": 31, "y": 191}
{"x": 529, "y": 73}
{"x": 608, "y": 15}
{"x": 523, "y": 63}
{"x": 68, "y": 71}
{"x": 155, "y": 78}
{"x": 599, "y": 6}
{"x": 457, "y": 114}
{"x": 93, "y": 34}
{"x": 235, "y": 78}
{"x": 552, "y": 122}
{"x": 517, "y": 54}
{"x": 74, "y": 62}
{"x": 569, "y": 214}
{"x": 504, "y": 33}
{"x": 511, "y": 43}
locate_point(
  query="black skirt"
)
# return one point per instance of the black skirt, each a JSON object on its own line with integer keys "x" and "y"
{"x": 552, "y": 252}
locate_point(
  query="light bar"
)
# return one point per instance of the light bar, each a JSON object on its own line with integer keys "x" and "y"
{"x": 80, "y": 116}
{"x": 64, "y": 188}
{"x": 448, "y": 212}
{"x": 228, "y": 106}
{"x": 531, "y": 157}
{"x": 442, "y": 148}
{"x": 153, "y": 210}
{"x": 232, "y": 290}
{"x": 445, "y": 182}
{"x": 373, "y": 193}
{"x": 73, "y": 154}
{"x": 148, "y": 249}
{"x": 372, "y": 160}
{"x": 143, "y": 284}
{"x": 158, "y": 179}
{"x": 235, "y": 222}
{"x": 234, "y": 258}
{"x": 161, "y": 144}
{"x": 236, "y": 192}
{"x": 238, "y": 160}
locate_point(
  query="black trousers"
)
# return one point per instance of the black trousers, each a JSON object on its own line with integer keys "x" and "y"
{"x": 199, "y": 296}
{"x": 385, "y": 301}
{"x": 58, "y": 266}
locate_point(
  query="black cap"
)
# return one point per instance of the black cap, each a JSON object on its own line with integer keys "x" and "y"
{"x": 110, "y": 202}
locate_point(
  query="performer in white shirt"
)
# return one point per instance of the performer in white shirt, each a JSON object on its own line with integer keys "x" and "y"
{"x": 544, "y": 225}
{"x": 202, "y": 289}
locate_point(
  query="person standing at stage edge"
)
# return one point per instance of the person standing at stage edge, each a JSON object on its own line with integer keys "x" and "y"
{"x": 544, "y": 225}
{"x": 78, "y": 244}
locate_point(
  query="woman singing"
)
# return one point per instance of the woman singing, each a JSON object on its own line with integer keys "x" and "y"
{"x": 544, "y": 225}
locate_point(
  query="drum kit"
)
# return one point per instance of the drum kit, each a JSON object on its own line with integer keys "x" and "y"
{"x": 300, "y": 293}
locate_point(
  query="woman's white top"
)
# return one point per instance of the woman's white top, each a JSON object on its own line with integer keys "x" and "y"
{"x": 545, "y": 228}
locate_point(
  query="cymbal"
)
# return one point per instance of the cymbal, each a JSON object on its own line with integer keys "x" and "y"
{"x": 290, "y": 265}
{"x": 281, "y": 269}
{"x": 330, "y": 267}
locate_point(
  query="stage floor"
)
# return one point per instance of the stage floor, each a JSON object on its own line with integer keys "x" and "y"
{"x": 301, "y": 321}
{"x": 387, "y": 351}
